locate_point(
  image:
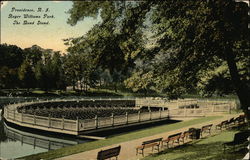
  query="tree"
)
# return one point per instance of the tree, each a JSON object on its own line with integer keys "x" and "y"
{"x": 11, "y": 59}
{"x": 11, "y": 56}
{"x": 191, "y": 37}
{"x": 26, "y": 75}
{"x": 49, "y": 71}
{"x": 33, "y": 54}
{"x": 114, "y": 43}
{"x": 205, "y": 33}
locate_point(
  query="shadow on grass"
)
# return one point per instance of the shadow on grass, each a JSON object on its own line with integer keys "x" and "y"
{"x": 193, "y": 150}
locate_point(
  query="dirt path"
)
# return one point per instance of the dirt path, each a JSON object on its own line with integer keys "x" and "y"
{"x": 128, "y": 151}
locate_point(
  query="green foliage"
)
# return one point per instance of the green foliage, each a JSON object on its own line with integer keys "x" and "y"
{"x": 49, "y": 72}
{"x": 26, "y": 75}
{"x": 33, "y": 54}
{"x": 11, "y": 56}
{"x": 11, "y": 59}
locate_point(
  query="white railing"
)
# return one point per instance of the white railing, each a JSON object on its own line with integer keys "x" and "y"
{"x": 121, "y": 120}
{"x": 206, "y": 105}
{"x": 54, "y": 123}
{"x": 62, "y": 124}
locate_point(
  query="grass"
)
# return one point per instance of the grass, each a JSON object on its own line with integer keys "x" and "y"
{"x": 117, "y": 139}
{"x": 210, "y": 148}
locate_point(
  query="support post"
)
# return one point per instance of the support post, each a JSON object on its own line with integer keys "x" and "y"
{"x": 213, "y": 108}
{"x": 160, "y": 112}
{"x": 34, "y": 143}
{"x": 49, "y": 121}
{"x": 96, "y": 121}
{"x": 77, "y": 124}
{"x": 34, "y": 118}
{"x": 139, "y": 116}
{"x": 62, "y": 122}
{"x": 112, "y": 119}
{"x": 126, "y": 117}
{"x": 150, "y": 115}
{"x": 22, "y": 116}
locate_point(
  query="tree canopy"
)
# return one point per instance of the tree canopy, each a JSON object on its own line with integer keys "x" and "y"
{"x": 171, "y": 46}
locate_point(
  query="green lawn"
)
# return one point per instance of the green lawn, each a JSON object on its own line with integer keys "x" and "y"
{"x": 117, "y": 139}
{"x": 210, "y": 148}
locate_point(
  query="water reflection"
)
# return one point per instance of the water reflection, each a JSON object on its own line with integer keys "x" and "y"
{"x": 15, "y": 143}
{"x": 3, "y": 137}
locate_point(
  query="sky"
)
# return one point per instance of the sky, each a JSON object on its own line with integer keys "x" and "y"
{"x": 46, "y": 36}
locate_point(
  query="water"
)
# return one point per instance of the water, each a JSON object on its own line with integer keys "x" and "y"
{"x": 16, "y": 143}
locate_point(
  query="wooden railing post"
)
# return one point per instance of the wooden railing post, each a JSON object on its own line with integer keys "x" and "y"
{"x": 96, "y": 121}
{"x": 160, "y": 112}
{"x": 49, "y": 121}
{"x": 150, "y": 115}
{"x": 62, "y": 122}
{"x": 34, "y": 118}
{"x": 77, "y": 124}
{"x": 139, "y": 116}
{"x": 22, "y": 116}
{"x": 126, "y": 117}
{"x": 112, "y": 119}
{"x": 213, "y": 108}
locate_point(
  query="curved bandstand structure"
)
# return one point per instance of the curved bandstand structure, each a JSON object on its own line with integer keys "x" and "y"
{"x": 72, "y": 116}
{"x": 82, "y": 116}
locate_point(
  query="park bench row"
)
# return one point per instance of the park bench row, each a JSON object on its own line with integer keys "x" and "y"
{"x": 173, "y": 140}
{"x": 179, "y": 138}
{"x": 231, "y": 122}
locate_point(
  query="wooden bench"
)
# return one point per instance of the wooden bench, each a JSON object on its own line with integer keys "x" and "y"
{"x": 230, "y": 123}
{"x": 154, "y": 143}
{"x": 240, "y": 119}
{"x": 239, "y": 138}
{"x": 206, "y": 129}
{"x": 184, "y": 135}
{"x": 175, "y": 138}
{"x": 221, "y": 125}
{"x": 109, "y": 153}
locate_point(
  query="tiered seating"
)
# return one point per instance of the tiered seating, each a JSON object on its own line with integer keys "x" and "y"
{"x": 80, "y": 109}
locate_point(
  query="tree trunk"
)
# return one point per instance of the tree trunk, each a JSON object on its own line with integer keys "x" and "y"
{"x": 241, "y": 89}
